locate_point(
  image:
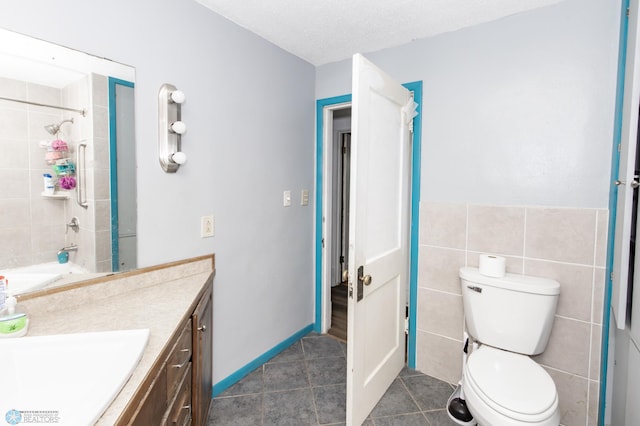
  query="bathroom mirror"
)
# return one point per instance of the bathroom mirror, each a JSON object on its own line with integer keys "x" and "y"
{"x": 68, "y": 115}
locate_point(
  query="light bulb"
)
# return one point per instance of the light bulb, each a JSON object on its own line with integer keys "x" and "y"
{"x": 177, "y": 96}
{"x": 179, "y": 157}
{"x": 178, "y": 127}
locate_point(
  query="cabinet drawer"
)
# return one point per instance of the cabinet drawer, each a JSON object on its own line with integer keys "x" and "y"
{"x": 178, "y": 359}
{"x": 179, "y": 412}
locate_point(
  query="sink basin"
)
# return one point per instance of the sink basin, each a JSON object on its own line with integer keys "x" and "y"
{"x": 73, "y": 377}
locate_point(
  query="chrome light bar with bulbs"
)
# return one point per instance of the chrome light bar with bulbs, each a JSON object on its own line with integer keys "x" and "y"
{"x": 170, "y": 128}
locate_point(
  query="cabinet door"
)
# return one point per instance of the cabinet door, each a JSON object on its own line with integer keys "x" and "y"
{"x": 154, "y": 404}
{"x": 202, "y": 358}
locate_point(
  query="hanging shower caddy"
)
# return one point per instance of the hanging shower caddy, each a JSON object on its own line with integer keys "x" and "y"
{"x": 58, "y": 157}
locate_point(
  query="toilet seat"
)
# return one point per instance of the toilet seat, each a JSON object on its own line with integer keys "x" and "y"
{"x": 511, "y": 385}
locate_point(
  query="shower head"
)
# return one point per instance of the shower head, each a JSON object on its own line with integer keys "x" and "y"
{"x": 55, "y": 128}
{"x": 52, "y": 128}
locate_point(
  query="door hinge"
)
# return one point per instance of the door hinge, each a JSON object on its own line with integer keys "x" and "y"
{"x": 414, "y": 113}
{"x": 627, "y": 12}
{"x": 406, "y": 326}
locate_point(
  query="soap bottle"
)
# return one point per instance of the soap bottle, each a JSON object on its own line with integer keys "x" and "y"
{"x": 49, "y": 186}
{"x": 3, "y": 292}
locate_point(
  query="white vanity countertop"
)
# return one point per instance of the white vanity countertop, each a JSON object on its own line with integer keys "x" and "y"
{"x": 159, "y": 307}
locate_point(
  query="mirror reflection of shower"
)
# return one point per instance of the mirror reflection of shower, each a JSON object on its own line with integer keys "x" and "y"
{"x": 54, "y": 129}
{"x": 66, "y": 83}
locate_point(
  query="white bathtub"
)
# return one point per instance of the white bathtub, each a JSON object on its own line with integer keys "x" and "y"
{"x": 34, "y": 277}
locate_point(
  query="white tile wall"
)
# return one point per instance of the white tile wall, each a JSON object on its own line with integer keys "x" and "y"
{"x": 35, "y": 225}
{"x": 29, "y": 222}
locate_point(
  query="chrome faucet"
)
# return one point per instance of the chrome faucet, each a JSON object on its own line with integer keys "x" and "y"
{"x": 74, "y": 225}
{"x": 72, "y": 247}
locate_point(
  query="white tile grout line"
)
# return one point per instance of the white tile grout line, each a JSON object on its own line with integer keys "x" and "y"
{"x": 466, "y": 237}
{"x": 593, "y": 278}
{"x": 524, "y": 239}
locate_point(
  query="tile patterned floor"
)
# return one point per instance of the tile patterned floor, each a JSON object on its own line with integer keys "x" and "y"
{"x": 305, "y": 385}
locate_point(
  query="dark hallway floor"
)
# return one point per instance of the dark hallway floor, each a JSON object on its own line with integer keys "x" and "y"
{"x": 305, "y": 385}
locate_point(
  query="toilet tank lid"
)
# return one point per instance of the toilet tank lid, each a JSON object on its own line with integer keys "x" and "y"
{"x": 515, "y": 282}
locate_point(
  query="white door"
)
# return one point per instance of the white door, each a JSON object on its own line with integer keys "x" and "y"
{"x": 626, "y": 176}
{"x": 378, "y": 236}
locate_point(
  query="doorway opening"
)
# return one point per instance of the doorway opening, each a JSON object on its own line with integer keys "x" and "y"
{"x": 340, "y": 141}
{"x": 338, "y": 179}
{"x": 333, "y": 127}
{"x": 383, "y": 230}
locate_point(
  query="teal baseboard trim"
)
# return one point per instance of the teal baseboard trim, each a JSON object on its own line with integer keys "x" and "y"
{"x": 234, "y": 378}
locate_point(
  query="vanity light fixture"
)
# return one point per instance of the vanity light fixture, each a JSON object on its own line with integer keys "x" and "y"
{"x": 170, "y": 128}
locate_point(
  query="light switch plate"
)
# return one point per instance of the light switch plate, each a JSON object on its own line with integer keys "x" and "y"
{"x": 286, "y": 198}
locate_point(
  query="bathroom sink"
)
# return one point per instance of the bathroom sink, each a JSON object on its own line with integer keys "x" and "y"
{"x": 71, "y": 377}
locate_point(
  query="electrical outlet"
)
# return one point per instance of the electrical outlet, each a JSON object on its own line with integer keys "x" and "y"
{"x": 286, "y": 198}
{"x": 304, "y": 197}
{"x": 206, "y": 226}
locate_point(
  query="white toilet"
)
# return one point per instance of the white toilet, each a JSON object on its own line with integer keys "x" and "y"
{"x": 511, "y": 318}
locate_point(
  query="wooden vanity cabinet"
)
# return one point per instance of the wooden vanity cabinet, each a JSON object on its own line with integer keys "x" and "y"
{"x": 177, "y": 390}
{"x": 202, "y": 358}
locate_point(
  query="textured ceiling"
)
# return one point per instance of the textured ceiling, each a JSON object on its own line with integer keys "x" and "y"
{"x": 323, "y": 31}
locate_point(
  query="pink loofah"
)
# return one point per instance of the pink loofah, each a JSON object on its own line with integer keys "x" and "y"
{"x": 59, "y": 145}
{"x": 67, "y": 182}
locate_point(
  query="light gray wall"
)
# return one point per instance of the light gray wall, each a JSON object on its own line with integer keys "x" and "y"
{"x": 516, "y": 111}
{"x": 249, "y": 112}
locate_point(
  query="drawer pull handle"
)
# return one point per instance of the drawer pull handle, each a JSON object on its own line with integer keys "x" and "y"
{"x": 186, "y": 361}
{"x": 187, "y": 419}
{"x": 203, "y": 327}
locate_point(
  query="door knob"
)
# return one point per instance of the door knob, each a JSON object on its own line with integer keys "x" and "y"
{"x": 366, "y": 279}
{"x": 345, "y": 275}
{"x": 634, "y": 183}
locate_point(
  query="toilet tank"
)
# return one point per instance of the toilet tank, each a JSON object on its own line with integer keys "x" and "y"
{"x": 514, "y": 313}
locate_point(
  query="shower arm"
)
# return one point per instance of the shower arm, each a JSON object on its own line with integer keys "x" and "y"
{"x": 54, "y": 129}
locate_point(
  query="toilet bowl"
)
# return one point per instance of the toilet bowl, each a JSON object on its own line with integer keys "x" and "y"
{"x": 510, "y": 317}
{"x": 507, "y": 389}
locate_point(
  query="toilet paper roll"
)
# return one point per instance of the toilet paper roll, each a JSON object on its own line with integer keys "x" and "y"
{"x": 492, "y": 266}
